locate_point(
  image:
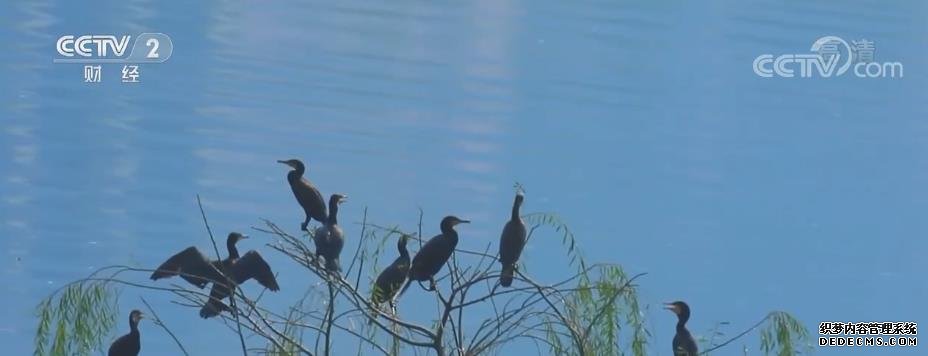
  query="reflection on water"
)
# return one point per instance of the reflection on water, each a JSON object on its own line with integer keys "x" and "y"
{"x": 642, "y": 124}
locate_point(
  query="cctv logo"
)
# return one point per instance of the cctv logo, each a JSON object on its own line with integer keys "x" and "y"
{"x": 92, "y": 45}
{"x": 148, "y": 47}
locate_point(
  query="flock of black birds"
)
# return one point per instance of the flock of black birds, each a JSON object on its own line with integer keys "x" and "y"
{"x": 197, "y": 269}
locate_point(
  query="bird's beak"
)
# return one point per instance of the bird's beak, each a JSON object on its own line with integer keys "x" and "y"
{"x": 284, "y": 162}
{"x": 463, "y": 221}
{"x": 343, "y": 199}
{"x": 245, "y": 237}
{"x": 671, "y": 307}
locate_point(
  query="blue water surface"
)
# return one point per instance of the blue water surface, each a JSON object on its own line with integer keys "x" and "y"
{"x": 641, "y": 123}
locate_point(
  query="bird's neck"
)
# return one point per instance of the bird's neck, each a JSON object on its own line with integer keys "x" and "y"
{"x": 296, "y": 174}
{"x": 681, "y": 325}
{"x": 515, "y": 210}
{"x": 133, "y": 328}
{"x": 450, "y": 234}
{"x": 233, "y": 251}
{"x": 333, "y": 213}
{"x": 404, "y": 252}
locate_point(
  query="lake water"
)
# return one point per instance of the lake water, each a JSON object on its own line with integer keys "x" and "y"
{"x": 642, "y": 124}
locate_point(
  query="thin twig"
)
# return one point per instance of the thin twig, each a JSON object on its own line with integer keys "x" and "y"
{"x": 755, "y": 326}
{"x": 329, "y": 319}
{"x": 160, "y": 323}
{"x": 234, "y": 287}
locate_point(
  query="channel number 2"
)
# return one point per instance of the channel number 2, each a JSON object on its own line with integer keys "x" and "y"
{"x": 153, "y": 44}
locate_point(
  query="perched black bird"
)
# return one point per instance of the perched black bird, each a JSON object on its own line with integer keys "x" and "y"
{"x": 683, "y": 342}
{"x": 511, "y": 243}
{"x": 329, "y": 238}
{"x": 434, "y": 254}
{"x": 128, "y": 344}
{"x": 305, "y": 192}
{"x": 391, "y": 278}
{"x": 238, "y": 270}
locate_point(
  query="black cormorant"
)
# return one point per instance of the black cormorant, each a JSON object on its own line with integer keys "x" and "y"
{"x": 305, "y": 192}
{"x": 683, "y": 342}
{"x": 391, "y": 278}
{"x": 329, "y": 238}
{"x": 511, "y": 243}
{"x": 128, "y": 344}
{"x": 239, "y": 270}
{"x": 434, "y": 254}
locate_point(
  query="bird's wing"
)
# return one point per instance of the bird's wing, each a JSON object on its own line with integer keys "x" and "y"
{"x": 390, "y": 280}
{"x": 512, "y": 242}
{"x": 424, "y": 253}
{"x": 686, "y": 348}
{"x": 191, "y": 265}
{"x": 431, "y": 257}
{"x": 336, "y": 240}
{"x": 217, "y": 264}
{"x": 309, "y": 196}
{"x": 117, "y": 346}
{"x": 321, "y": 239}
{"x": 251, "y": 265}
{"x": 315, "y": 192}
{"x": 401, "y": 264}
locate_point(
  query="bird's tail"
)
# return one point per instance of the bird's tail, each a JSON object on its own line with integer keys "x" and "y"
{"x": 213, "y": 308}
{"x": 505, "y": 277}
{"x": 376, "y": 300}
{"x": 332, "y": 265}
